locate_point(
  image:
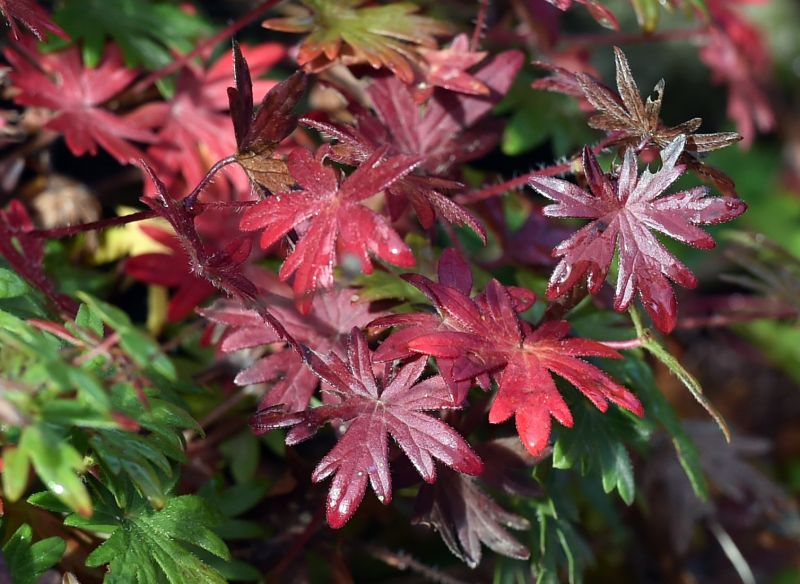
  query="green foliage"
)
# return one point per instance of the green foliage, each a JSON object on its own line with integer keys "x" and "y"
{"x": 146, "y": 31}
{"x": 595, "y": 444}
{"x": 27, "y": 561}
{"x": 148, "y": 546}
{"x": 539, "y": 116}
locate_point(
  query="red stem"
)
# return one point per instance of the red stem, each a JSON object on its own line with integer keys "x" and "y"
{"x": 142, "y": 215}
{"x": 509, "y": 185}
{"x": 480, "y": 24}
{"x": 520, "y": 181}
{"x": 298, "y": 545}
{"x": 94, "y": 225}
{"x": 225, "y": 33}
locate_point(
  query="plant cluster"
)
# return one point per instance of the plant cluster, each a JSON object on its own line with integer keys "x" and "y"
{"x": 336, "y": 291}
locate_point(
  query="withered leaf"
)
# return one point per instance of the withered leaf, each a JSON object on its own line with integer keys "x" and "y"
{"x": 465, "y": 517}
{"x": 639, "y": 121}
{"x": 259, "y": 132}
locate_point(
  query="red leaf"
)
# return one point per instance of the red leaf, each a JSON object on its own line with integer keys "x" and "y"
{"x": 60, "y": 82}
{"x": 738, "y": 57}
{"x": 450, "y": 130}
{"x": 484, "y": 335}
{"x": 374, "y": 408}
{"x": 33, "y": 16}
{"x": 336, "y": 223}
{"x": 193, "y": 128}
{"x": 172, "y": 270}
{"x": 447, "y": 68}
{"x": 333, "y": 315}
{"x": 623, "y": 213}
{"x": 25, "y": 254}
{"x": 596, "y": 8}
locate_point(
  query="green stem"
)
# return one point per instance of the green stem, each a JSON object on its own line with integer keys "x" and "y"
{"x": 652, "y": 346}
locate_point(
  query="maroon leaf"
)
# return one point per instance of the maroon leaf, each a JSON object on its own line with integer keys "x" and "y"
{"x": 484, "y": 335}
{"x": 623, "y": 212}
{"x": 450, "y": 130}
{"x": 332, "y": 219}
{"x": 60, "y": 82}
{"x": 33, "y": 16}
{"x": 374, "y": 407}
{"x": 193, "y": 128}
{"x": 25, "y": 254}
{"x": 333, "y": 315}
{"x": 596, "y": 8}
{"x": 465, "y": 517}
{"x": 258, "y": 133}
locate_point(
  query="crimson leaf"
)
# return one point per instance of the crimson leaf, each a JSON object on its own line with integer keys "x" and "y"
{"x": 623, "y": 212}
{"x": 451, "y": 129}
{"x": 374, "y": 407}
{"x": 60, "y": 82}
{"x": 172, "y": 270}
{"x": 33, "y": 16}
{"x": 336, "y": 219}
{"x": 194, "y": 129}
{"x": 333, "y": 315}
{"x": 484, "y": 335}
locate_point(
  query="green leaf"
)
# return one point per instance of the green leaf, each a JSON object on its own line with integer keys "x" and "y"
{"x": 158, "y": 546}
{"x": 28, "y": 562}
{"x": 137, "y": 458}
{"x": 143, "y": 350}
{"x": 147, "y": 32}
{"x": 242, "y": 452}
{"x": 560, "y": 547}
{"x": 387, "y": 286}
{"x": 637, "y": 376}
{"x": 89, "y": 320}
{"x": 16, "y": 467}
{"x": 56, "y": 462}
{"x": 11, "y": 285}
{"x": 595, "y": 442}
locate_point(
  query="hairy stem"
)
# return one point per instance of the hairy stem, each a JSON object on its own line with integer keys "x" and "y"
{"x": 480, "y": 24}
{"x": 515, "y": 183}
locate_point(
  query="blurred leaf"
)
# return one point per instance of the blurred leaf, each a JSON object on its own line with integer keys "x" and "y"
{"x": 56, "y": 462}
{"x": 147, "y": 31}
{"x": 16, "y": 467}
{"x": 11, "y": 285}
{"x": 27, "y": 561}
